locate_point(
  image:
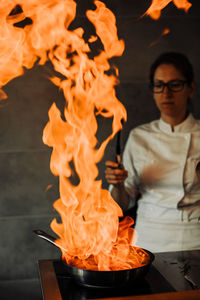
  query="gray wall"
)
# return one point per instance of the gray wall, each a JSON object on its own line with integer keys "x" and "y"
{"x": 25, "y": 200}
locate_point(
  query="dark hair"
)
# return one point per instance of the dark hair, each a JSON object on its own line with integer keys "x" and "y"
{"x": 178, "y": 60}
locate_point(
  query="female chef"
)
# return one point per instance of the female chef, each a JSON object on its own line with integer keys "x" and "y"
{"x": 160, "y": 161}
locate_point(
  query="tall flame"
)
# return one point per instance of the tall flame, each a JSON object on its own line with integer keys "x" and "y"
{"x": 90, "y": 234}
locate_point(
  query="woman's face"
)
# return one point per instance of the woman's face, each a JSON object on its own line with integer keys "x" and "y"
{"x": 171, "y": 104}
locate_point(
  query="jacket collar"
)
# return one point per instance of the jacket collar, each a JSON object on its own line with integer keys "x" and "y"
{"x": 185, "y": 126}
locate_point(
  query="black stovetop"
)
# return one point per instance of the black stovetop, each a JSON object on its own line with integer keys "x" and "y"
{"x": 149, "y": 285}
{"x": 164, "y": 276}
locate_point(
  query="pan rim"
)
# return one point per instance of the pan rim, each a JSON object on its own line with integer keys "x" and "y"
{"x": 151, "y": 255}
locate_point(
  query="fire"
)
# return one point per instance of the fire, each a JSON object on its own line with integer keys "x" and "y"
{"x": 90, "y": 235}
{"x": 164, "y": 33}
{"x": 21, "y": 48}
{"x": 157, "y": 5}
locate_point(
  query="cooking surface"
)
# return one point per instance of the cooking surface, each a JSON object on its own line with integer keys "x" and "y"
{"x": 166, "y": 275}
{"x": 173, "y": 266}
{"x": 70, "y": 290}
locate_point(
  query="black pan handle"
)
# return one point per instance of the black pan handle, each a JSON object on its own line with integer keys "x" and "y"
{"x": 45, "y": 236}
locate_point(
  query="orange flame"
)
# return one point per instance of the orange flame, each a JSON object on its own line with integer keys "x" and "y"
{"x": 154, "y": 11}
{"x": 20, "y": 48}
{"x": 164, "y": 33}
{"x": 90, "y": 233}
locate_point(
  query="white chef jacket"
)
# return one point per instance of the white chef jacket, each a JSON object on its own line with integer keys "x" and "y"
{"x": 161, "y": 164}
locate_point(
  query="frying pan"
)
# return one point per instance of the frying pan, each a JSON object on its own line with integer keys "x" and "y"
{"x": 102, "y": 279}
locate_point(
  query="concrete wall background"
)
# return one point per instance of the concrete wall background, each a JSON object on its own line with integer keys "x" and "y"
{"x": 25, "y": 201}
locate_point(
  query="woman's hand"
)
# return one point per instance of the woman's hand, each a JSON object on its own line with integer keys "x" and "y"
{"x": 114, "y": 173}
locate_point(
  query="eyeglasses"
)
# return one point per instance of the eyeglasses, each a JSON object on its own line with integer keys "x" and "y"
{"x": 172, "y": 85}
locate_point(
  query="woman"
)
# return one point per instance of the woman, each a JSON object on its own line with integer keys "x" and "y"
{"x": 160, "y": 160}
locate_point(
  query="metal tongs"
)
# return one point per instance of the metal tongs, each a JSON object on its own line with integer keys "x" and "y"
{"x": 186, "y": 269}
